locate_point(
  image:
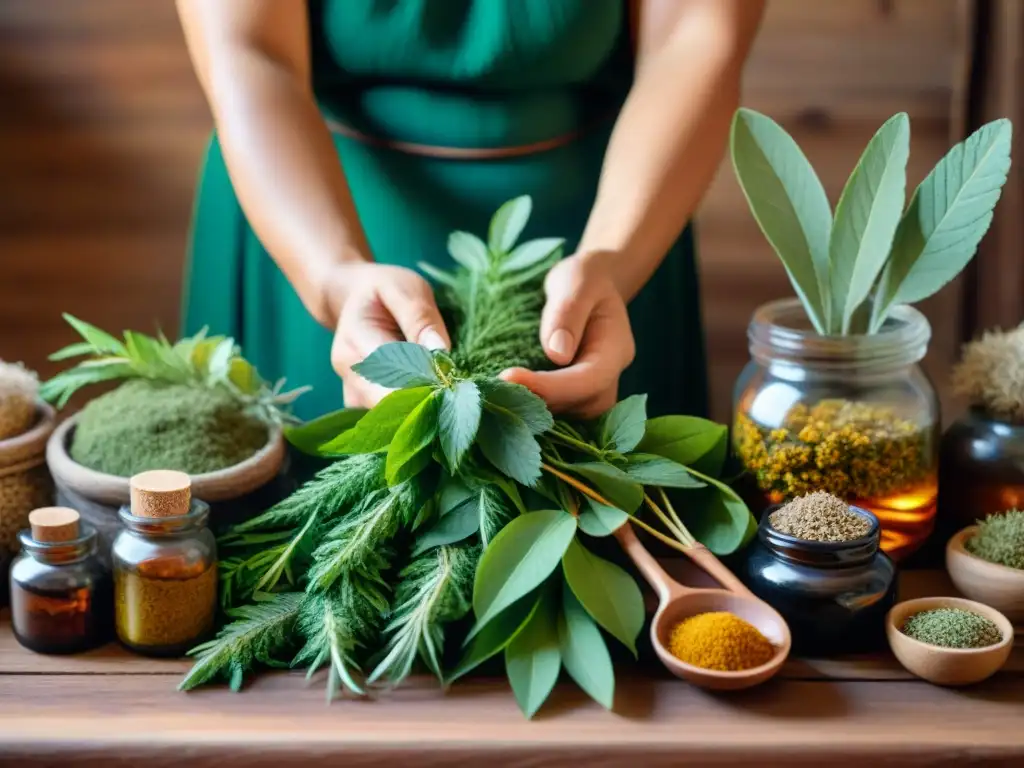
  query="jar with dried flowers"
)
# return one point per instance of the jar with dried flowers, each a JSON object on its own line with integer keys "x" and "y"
{"x": 982, "y": 453}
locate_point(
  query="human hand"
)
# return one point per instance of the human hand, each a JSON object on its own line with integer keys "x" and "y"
{"x": 376, "y": 304}
{"x": 584, "y": 323}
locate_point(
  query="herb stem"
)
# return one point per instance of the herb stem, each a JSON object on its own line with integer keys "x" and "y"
{"x": 581, "y": 487}
{"x": 676, "y": 545}
{"x": 688, "y": 537}
{"x": 675, "y": 531}
{"x": 572, "y": 442}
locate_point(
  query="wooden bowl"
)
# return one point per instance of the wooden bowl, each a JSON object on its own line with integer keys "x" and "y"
{"x": 947, "y": 666}
{"x": 990, "y": 583}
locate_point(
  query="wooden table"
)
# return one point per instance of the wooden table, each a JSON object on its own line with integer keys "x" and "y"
{"x": 111, "y": 709}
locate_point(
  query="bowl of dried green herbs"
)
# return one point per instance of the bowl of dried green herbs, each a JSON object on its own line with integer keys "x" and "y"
{"x": 986, "y": 562}
{"x": 195, "y": 406}
{"x": 949, "y": 640}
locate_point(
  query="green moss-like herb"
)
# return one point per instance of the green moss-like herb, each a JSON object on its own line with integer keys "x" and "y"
{"x": 1000, "y": 539}
{"x": 143, "y": 425}
{"x": 952, "y": 628}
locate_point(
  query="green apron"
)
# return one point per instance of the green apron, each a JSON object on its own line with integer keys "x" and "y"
{"x": 448, "y": 73}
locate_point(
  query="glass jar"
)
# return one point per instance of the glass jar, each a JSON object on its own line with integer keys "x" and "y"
{"x": 982, "y": 471}
{"x": 60, "y": 595}
{"x": 165, "y": 581}
{"x": 852, "y": 415}
{"x": 833, "y": 595}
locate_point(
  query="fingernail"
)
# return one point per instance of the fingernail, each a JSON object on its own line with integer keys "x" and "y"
{"x": 431, "y": 339}
{"x": 561, "y": 343}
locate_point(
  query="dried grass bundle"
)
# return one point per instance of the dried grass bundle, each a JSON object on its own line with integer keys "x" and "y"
{"x": 18, "y": 390}
{"x": 991, "y": 374}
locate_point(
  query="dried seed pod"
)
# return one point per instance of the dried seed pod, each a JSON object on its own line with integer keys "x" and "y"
{"x": 991, "y": 374}
{"x": 19, "y": 388}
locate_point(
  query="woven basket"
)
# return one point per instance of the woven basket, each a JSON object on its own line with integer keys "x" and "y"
{"x": 24, "y": 480}
{"x": 232, "y": 493}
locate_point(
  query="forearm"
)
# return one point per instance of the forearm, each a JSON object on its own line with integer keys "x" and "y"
{"x": 664, "y": 151}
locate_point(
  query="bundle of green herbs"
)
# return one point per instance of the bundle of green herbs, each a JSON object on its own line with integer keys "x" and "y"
{"x": 195, "y": 406}
{"x": 1000, "y": 539}
{"x": 459, "y": 503}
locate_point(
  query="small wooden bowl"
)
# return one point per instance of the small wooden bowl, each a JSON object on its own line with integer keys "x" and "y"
{"x": 990, "y": 583}
{"x": 947, "y": 666}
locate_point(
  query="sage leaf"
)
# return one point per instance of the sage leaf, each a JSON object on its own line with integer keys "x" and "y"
{"x": 610, "y": 595}
{"x": 100, "y": 340}
{"x": 398, "y": 364}
{"x": 409, "y": 452}
{"x": 519, "y": 559}
{"x": 718, "y": 518}
{"x": 469, "y": 251}
{"x": 72, "y": 350}
{"x": 599, "y": 519}
{"x": 648, "y": 469}
{"x": 789, "y": 204}
{"x": 866, "y": 218}
{"x": 377, "y": 428}
{"x": 452, "y": 494}
{"x": 509, "y": 445}
{"x": 530, "y": 254}
{"x": 459, "y": 524}
{"x": 950, "y": 212}
{"x": 311, "y": 435}
{"x": 685, "y": 440}
{"x": 486, "y": 640}
{"x": 508, "y": 223}
{"x": 612, "y": 483}
{"x": 584, "y": 652}
{"x": 533, "y": 658}
{"x": 459, "y": 420}
{"x": 486, "y": 504}
{"x": 622, "y": 428}
{"x": 437, "y": 275}
{"x": 520, "y": 402}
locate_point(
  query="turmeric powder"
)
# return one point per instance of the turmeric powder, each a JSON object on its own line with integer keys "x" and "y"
{"x": 720, "y": 641}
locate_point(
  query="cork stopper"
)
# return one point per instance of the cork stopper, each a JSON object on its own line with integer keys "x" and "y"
{"x": 54, "y": 524}
{"x": 161, "y": 493}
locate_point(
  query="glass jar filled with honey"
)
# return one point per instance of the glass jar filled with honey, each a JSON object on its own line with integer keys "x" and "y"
{"x": 852, "y": 415}
{"x": 59, "y": 590}
{"x": 165, "y": 567}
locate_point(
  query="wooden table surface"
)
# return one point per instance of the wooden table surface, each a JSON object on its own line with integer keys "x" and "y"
{"x": 109, "y": 708}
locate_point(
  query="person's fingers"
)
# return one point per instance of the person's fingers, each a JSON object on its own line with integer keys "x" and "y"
{"x": 567, "y": 308}
{"x": 410, "y": 301}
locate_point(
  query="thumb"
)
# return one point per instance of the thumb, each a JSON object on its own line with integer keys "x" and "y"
{"x": 566, "y": 312}
{"x": 412, "y": 305}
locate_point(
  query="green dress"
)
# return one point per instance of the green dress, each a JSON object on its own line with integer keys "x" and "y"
{"x": 448, "y": 73}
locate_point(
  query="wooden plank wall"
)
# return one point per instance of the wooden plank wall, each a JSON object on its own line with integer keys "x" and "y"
{"x": 102, "y": 126}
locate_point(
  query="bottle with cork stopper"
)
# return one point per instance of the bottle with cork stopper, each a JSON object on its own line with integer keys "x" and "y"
{"x": 165, "y": 567}
{"x": 61, "y": 599}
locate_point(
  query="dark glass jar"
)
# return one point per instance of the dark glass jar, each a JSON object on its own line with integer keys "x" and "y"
{"x": 165, "y": 581}
{"x": 981, "y": 471}
{"x": 61, "y": 597}
{"x": 833, "y": 595}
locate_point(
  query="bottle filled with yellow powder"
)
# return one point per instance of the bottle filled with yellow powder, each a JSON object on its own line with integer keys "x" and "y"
{"x": 165, "y": 567}
{"x": 721, "y": 641}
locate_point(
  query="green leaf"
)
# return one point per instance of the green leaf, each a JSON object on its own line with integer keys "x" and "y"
{"x": 509, "y": 445}
{"x": 520, "y": 402}
{"x": 73, "y": 350}
{"x": 100, "y": 340}
{"x": 63, "y": 386}
{"x": 409, "y": 452}
{"x": 469, "y": 251}
{"x": 438, "y": 275}
{"x": 648, "y": 469}
{"x": 219, "y": 364}
{"x": 242, "y": 374}
{"x": 310, "y": 436}
{"x": 377, "y": 428}
{"x": 519, "y": 559}
{"x": 718, "y": 518}
{"x": 866, "y": 218}
{"x": 789, "y": 204}
{"x": 584, "y": 652}
{"x": 612, "y": 483}
{"x": 398, "y": 364}
{"x": 508, "y": 223}
{"x": 600, "y": 520}
{"x": 610, "y": 595}
{"x": 488, "y": 503}
{"x": 460, "y": 523}
{"x": 533, "y": 658}
{"x": 485, "y": 640}
{"x": 684, "y": 439}
{"x": 459, "y": 420}
{"x": 949, "y": 214}
{"x": 530, "y": 253}
{"x": 622, "y": 428}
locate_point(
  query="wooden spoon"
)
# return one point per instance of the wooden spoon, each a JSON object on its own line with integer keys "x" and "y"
{"x": 677, "y": 602}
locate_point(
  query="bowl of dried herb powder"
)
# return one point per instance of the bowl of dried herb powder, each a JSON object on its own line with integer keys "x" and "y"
{"x": 986, "y": 562}
{"x": 949, "y": 640}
